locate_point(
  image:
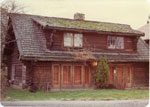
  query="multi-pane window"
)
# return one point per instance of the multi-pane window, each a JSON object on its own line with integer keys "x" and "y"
{"x": 68, "y": 39}
{"x": 120, "y": 43}
{"x": 77, "y": 40}
{"x": 111, "y": 42}
{"x": 115, "y": 42}
{"x": 73, "y": 40}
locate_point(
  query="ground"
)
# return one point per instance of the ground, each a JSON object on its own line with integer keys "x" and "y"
{"x": 80, "y": 95}
{"x": 120, "y": 103}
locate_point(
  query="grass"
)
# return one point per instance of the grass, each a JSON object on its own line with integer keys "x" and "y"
{"x": 104, "y": 94}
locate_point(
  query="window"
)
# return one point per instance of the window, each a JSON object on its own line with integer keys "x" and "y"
{"x": 16, "y": 72}
{"x": 111, "y": 42}
{"x": 120, "y": 43}
{"x": 115, "y": 42}
{"x": 68, "y": 39}
{"x": 77, "y": 40}
{"x": 73, "y": 40}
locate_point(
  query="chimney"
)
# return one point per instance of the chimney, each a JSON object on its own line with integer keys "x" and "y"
{"x": 79, "y": 16}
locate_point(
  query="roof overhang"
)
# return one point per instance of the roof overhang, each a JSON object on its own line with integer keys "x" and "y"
{"x": 47, "y": 26}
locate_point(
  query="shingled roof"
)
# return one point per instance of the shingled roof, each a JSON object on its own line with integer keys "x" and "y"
{"x": 85, "y": 25}
{"x": 31, "y": 41}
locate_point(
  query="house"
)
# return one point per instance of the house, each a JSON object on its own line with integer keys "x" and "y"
{"x": 59, "y": 53}
{"x": 146, "y": 30}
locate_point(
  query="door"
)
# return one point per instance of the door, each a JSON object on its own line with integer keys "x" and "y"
{"x": 77, "y": 75}
{"x": 66, "y": 76}
{"x": 111, "y": 75}
{"x": 122, "y": 76}
{"x": 56, "y": 76}
{"x": 69, "y": 76}
{"x": 127, "y": 71}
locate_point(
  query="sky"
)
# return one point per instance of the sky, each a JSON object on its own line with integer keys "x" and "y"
{"x": 132, "y": 12}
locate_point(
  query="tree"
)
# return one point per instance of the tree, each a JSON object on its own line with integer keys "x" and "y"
{"x": 102, "y": 73}
{"x": 6, "y": 8}
{"x": 10, "y": 6}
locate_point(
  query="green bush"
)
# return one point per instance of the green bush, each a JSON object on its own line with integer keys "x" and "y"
{"x": 102, "y": 73}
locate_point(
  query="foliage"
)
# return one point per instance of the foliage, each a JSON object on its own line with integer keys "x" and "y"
{"x": 103, "y": 94}
{"x": 102, "y": 73}
{"x": 10, "y": 6}
{"x": 6, "y": 7}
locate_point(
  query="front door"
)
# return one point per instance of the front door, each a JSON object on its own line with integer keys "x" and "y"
{"x": 121, "y": 76}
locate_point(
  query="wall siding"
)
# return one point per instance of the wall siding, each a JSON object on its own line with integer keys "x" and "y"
{"x": 140, "y": 74}
{"x": 16, "y": 66}
{"x": 41, "y": 75}
{"x": 91, "y": 41}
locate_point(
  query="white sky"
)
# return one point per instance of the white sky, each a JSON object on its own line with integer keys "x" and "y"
{"x": 132, "y": 12}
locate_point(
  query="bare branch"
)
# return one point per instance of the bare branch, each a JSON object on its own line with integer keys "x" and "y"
{"x": 10, "y": 6}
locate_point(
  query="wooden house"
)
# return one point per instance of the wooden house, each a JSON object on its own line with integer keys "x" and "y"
{"x": 146, "y": 30}
{"x": 59, "y": 53}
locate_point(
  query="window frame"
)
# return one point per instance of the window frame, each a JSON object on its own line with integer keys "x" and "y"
{"x": 64, "y": 39}
{"x": 81, "y": 40}
{"x": 116, "y": 42}
{"x": 73, "y": 41}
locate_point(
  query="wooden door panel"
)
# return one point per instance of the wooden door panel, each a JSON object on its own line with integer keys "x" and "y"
{"x": 127, "y": 78}
{"x": 56, "y": 75}
{"x": 77, "y": 75}
{"x": 119, "y": 78}
{"x": 66, "y": 73}
{"x": 111, "y": 75}
{"x": 87, "y": 75}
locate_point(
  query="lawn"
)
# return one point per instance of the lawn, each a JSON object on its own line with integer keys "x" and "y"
{"x": 104, "y": 94}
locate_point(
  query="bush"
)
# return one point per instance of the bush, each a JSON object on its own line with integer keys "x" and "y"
{"x": 102, "y": 73}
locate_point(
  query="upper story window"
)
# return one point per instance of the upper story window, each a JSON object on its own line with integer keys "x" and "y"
{"x": 68, "y": 39}
{"x": 115, "y": 42}
{"x": 73, "y": 40}
{"x": 78, "y": 40}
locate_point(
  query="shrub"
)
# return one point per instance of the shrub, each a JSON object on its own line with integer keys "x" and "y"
{"x": 102, "y": 73}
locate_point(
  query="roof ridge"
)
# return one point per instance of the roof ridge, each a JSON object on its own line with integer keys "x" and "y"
{"x": 71, "y": 19}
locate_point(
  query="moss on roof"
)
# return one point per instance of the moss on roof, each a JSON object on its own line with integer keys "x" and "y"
{"x": 87, "y": 25}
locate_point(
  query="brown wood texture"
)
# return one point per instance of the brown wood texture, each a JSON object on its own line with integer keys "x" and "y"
{"x": 66, "y": 75}
{"x": 77, "y": 75}
{"x": 16, "y": 65}
{"x": 56, "y": 73}
{"x": 72, "y": 75}
{"x": 122, "y": 78}
{"x": 140, "y": 74}
{"x": 91, "y": 41}
{"x": 42, "y": 75}
{"x": 87, "y": 75}
{"x": 129, "y": 75}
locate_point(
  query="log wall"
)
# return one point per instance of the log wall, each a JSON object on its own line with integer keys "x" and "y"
{"x": 140, "y": 74}
{"x": 91, "y": 41}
